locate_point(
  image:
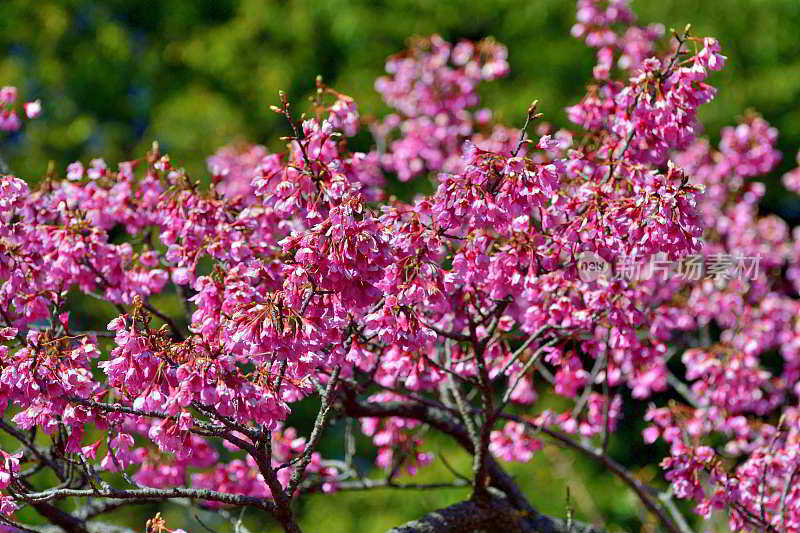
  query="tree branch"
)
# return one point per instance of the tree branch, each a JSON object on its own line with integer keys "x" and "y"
{"x": 643, "y": 491}
{"x": 319, "y": 426}
{"x": 441, "y": 420}
{"x": 62, "y": 519}
{"x": 151, "y": 494}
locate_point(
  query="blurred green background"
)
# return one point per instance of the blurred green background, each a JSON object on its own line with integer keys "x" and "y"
{"x": 196, "y": 74}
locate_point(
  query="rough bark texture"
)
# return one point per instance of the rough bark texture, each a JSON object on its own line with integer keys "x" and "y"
{"x": 465, "y": 516}
{"x": 494, "y": 514}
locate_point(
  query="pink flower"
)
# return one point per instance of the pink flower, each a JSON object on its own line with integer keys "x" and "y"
{"x": 75, "y": 171}
{"x": 33, "y": 109}
{"x": 7, "y": 505}
{"x": 513, "y": 444}
{"x": 710, "y": 55}
{"x": 9, "y": 121}
{"x": 8, "y": 95}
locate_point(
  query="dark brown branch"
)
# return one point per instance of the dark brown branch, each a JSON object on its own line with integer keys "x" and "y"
{"x": 42, "y": 455}
{"x": 283, "y": 503}
{"x": 62, "y": 519}
{"x": 482, "y": 446}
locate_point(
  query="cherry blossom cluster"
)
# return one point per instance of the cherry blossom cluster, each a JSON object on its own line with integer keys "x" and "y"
{"x": 433, "y": 88}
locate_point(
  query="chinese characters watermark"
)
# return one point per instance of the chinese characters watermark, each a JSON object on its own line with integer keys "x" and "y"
{"x": 718, "y": 267}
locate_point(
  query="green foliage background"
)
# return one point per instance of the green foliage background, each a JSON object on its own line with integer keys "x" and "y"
{"x": 196, "y": 74}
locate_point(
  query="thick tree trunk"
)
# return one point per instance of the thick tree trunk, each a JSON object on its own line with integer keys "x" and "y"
{"x": 494, "y": 514}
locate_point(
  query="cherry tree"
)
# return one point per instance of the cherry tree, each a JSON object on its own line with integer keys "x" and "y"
{"x": 451, "y": 313}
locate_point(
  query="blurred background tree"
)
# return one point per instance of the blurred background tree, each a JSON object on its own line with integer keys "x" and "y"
{"x": 114, "y": 75}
